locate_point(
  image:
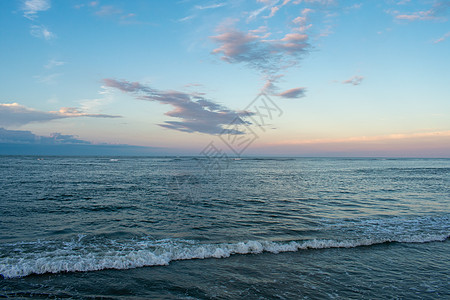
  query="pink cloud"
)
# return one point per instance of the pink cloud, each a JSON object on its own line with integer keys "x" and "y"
{"x": 273, "y": 11}
{"x": 235, "y": 45}
{"x": 266, "y": 55}
{"x": 294, "y": 37}
{"x": 443, "y": 38}
{"x": 318, "y": 2}
{"x": 436, "y": 12}
{"x": 293, "y": 93}
{"x": 355, "y": 80}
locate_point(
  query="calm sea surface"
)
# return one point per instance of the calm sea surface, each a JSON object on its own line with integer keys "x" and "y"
{"x": 117, "y": 227}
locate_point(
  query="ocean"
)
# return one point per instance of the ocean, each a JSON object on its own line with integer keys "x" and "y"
{"x": 253, "y": 228}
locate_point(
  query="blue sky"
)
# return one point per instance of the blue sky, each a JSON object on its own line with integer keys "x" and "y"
{"x": 349, "y": 78}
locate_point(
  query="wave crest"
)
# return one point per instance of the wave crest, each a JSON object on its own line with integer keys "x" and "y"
{"x": 54, "y": 257}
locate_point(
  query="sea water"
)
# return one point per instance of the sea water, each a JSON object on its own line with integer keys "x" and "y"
{"x": 166, "y": 227}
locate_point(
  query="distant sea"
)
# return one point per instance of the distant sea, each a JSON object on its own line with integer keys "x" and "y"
{"x": 251, "y": 228}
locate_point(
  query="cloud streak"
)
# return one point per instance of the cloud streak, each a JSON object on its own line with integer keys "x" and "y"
{"x": 108, "y": 10}
{"x": 14, "y": 114}
{"x": 443, "y": 38}
{"x": 355, "y": 80}
{"x": 196, "y": 113}
{"x": 293, "y": 93}
{"x": 32, "y": 7}
{"x": 436, "y": 12}
{"x": 42, "y": 32}
{"x": 115, "y": 13}
{"x": 210, "y": 6}
{"x": 54, "y": 63}
{"x": 268, "y": 5}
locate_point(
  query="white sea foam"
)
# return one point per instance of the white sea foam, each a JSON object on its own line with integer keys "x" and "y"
{"x": 54, "y": 257}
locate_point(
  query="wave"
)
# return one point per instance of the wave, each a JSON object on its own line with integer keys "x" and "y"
{"x": 23, "y": 259}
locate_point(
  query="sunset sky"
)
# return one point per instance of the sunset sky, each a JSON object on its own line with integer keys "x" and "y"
{"x": 342, "y": 78}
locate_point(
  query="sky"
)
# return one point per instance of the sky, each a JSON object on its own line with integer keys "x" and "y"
{"x": 254, "y": 77}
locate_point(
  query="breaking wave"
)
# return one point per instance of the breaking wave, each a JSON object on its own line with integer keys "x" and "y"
{"x": 23, "y": 259}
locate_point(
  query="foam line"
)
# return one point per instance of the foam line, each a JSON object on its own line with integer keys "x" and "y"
{"x": 78, "y": 256}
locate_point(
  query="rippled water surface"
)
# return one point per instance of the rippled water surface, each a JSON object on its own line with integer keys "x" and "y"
{"x": 259, "y": 228}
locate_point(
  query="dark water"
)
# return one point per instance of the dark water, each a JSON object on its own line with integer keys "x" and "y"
{"x": 80, "y": 227}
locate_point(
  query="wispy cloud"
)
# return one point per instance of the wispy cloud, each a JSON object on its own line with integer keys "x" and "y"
{"x": 318, "y": 2}
{"x": 293, "y": 93}
{"x": 267, "y": 5}
{"x": 14, "y": 114}
{"x": 52, "y": 63}
{"x": 273, "y": 11}
{"x": 71, "y": 112}
{"x": 187, "y": 18}
{"x": 436, "y": 12}
{"x": 49, "y": 78}
{"x": 355, "y": 80}
{"x": 108, "y": 10}
{"x": 200, "y": 9}
{"x": 118, "y": 14}
{"x": 270, "y": 85}
{"x": 32, "y": 7}
{"x": 210, "y": 6}
{"x": 197, "y": 113}
{"x": 443, "y": 38}
{"x": 354, "y": 6}
{"x": 193, "y": 84}
{"x": 90, "y": 4}
{"x": 97, "y": 104}
{"x": 42, "y": 32}
{"x": 303, "y": 18}
{"x": 274, "y": 6}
